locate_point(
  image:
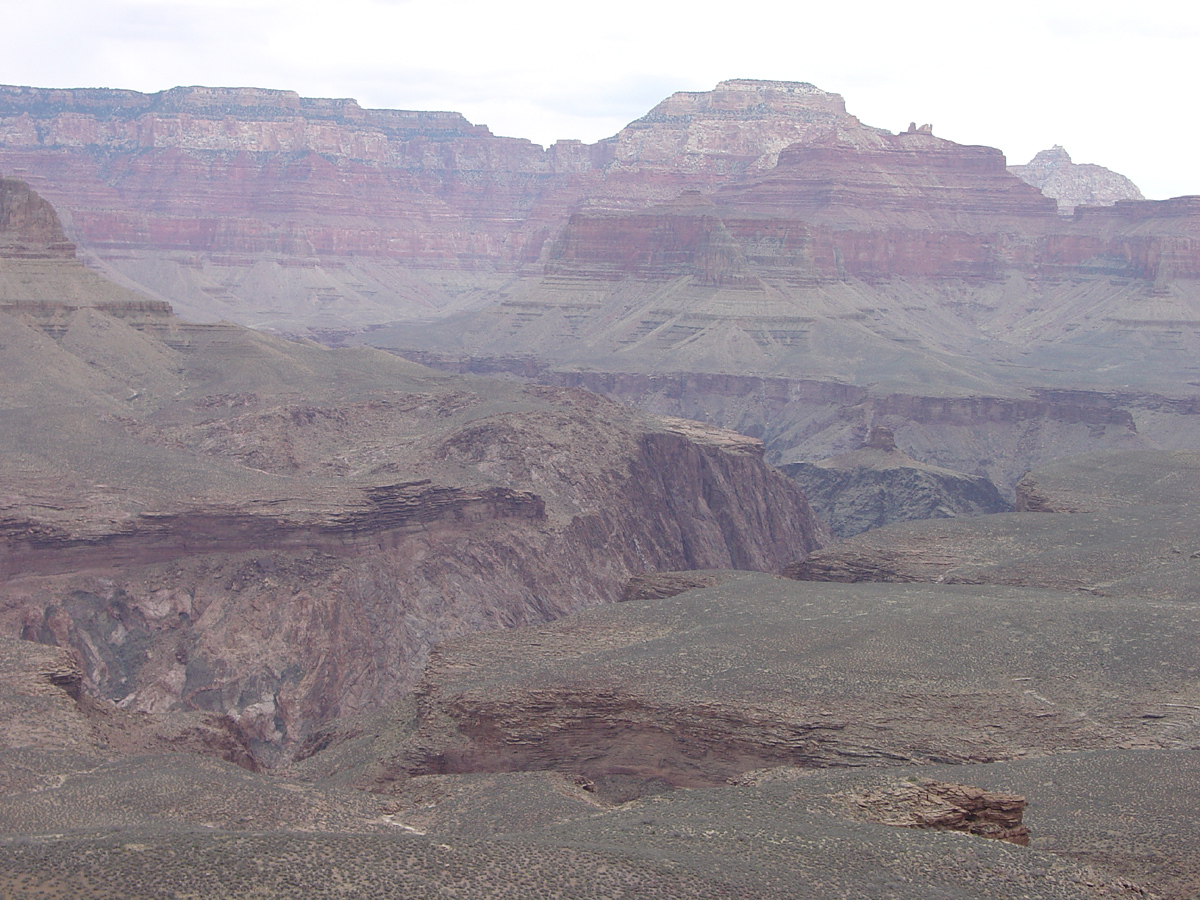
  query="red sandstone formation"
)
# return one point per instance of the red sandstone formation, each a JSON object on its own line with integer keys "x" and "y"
{"x": 904, "y": 206}
{"x": 247, "y": 171}
{"x": 29, "y": 226}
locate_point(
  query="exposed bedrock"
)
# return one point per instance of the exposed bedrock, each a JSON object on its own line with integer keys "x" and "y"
{"x": 383, "y": 515}
{"x": 926, "y": 803}
{"x": 211, "y": 519}
{"x": 284, "y": 625}
{"x": 804, "y": 420}
{"x": 44, "y": 707}
{"x": 1072, "y": 184}
{"x": 29, "y": 225}
{"x": 238, "y": 172}
{"x": 878, "y": 484}
{"x": 315, "y": 214}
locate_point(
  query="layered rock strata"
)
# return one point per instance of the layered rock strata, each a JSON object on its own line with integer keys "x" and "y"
{"x": 29, "y": 225}
{"x": 259, "y": 205}
{"x": 926, "y": 803}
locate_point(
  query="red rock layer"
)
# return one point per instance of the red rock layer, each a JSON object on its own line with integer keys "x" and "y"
{"x": 231, "y": 170}
{"x": 910, "y": 205}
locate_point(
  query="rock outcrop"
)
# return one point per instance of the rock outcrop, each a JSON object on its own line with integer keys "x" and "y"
{"x": 877, "y": 484}
{"x": 757, "y": 231}
{"x": 262, "y": 206}
{"x": 29, "y": 226}
{"x": 1138, "y": 540}
{"x": 1071, "y": 184}
{"x": 44, "y": 708}
{"x": 927, "y": 803}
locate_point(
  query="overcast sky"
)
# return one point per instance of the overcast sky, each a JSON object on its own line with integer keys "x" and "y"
{"x": 1115, "y": 83}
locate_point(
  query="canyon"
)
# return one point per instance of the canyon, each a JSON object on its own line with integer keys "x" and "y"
{"x": 802, "y": 276}
{"x": 217, "y": 520}
{"x": 468, "y": 568}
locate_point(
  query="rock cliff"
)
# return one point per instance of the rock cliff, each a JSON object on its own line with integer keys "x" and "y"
{"x": 878, "y": 484}
{"x": 263, "y": 206}
{"x": 1055, "y": 175}
{"x": 1105, "y": 524}
{"x": 756, "y": 232}
{"x": 29, "y": 226}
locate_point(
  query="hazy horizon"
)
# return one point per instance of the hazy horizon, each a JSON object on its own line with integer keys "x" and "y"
{"x": 1104, "y": 80}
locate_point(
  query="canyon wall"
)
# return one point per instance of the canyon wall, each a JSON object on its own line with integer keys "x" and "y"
{"x": 213, "y": 520}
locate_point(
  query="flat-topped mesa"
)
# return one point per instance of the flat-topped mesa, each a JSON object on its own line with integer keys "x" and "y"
{"x": 739, "y": 124}
{"x": 245, "y": 204}
{"x": 909, "y": 180}
{"x": 29, "y": 226}
{"x": 101, "y": 116}
{"x": 880, "y": 437}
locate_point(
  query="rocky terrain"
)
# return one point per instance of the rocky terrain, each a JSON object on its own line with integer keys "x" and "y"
{"x": 1055, "y": 175}
{"x": 263, "y": 207}
{"x": 731, "y": 733}
{"x": 866, "y": 702}
{"x": 1111, "y": 524}
{"x": 284, "y": 620}
{"x": 210, "y": 519}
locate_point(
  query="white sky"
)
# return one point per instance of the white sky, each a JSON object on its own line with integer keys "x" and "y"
{"x": 1113, "y": 82}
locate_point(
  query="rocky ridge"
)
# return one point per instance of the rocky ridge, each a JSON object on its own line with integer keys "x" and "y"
{"x": 795, "y": 274}
{"x": 317, "y": 213}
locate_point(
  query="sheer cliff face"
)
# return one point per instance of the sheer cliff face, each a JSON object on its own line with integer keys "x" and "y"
{"x": 267, "y": 208}
{"x": 290, "y": 594}
{"x": 29, "y": 226}
{"x": 261, "y": 206}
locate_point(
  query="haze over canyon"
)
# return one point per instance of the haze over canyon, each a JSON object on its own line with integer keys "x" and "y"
{"x": 754, "y": 503}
